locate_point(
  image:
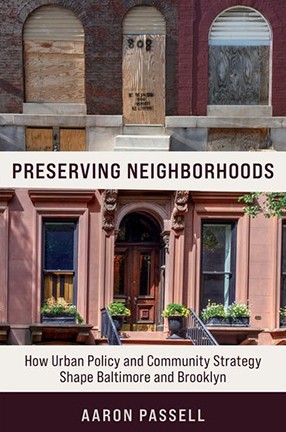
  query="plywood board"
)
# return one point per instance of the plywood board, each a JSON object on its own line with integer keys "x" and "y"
{"x": 72, "y": 140}
{"x": 144, "y": 79}
{"x": 54, "y": 72}
{"x": 54, "y": 47}
{"x": 39, "y": 139}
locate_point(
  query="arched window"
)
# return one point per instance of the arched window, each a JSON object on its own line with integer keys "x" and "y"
{"x": 239, "y": 58}
{"x": 144, "y": 33}
{"x": 54, "y": 56}
{"x": 138, "y": 228}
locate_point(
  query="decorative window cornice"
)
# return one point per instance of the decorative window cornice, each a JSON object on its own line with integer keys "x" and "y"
{"x": 71, "y": 196}
{"x": 6, "y": 195}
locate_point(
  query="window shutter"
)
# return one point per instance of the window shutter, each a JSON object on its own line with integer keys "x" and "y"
{"x": 53, "y": 23}
{"x": 144, "y": 20}
{"x": 240, "y": 26}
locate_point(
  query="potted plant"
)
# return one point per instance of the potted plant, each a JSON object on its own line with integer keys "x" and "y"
{"x": 238, "y": 314}
{"x": 176, "y": 313}
{"x": 58, "y": 311}
{"x": 282, "y": 313}
{"x": 214, "y": 314}
{"x": 118, "y": 311}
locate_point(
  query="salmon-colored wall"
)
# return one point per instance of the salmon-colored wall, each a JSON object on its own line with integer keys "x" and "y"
{"x": 264, "y": 286}
{"x": 20, "y": 258}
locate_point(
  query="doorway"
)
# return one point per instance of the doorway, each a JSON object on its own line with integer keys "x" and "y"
{"x": 143, "y": 68}
{"x": 136, "y": 269}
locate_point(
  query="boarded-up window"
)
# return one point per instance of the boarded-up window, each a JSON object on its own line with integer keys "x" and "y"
{"x": 54, "y": 56}
{"x": 144, "y": 33}
{"x": 59, "y": 139}
{"x": 239, "y": 58}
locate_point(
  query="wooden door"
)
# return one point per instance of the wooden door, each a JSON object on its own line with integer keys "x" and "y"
{"x": 136, "y": 282}
{"x": 144, "y": 79}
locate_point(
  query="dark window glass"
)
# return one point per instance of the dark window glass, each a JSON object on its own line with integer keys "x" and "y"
{"x": 145, "y": 268}
{"x": 218, "y": 263}
{"x": 59, "y": 245}
{"x": 138, "y": 228}
{"x": 119, "y": 273}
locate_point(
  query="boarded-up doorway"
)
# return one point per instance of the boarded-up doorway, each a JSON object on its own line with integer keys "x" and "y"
{"x": 144, "y": 36}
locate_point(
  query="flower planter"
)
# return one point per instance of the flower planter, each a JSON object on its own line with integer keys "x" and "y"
{"x": 217, "y": 322}
{"x": 176, "y": 325}
{"x": 58, "y": 319}
{"x": 118, "y": 321}
{"x": 240, "y": 321}
{"x": 224, "y": 322}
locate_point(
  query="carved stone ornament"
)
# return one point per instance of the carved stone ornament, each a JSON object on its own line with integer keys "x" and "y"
{"x": 109, "y": 208}
{"x": 180, "y": 209}
{"x": 166, "y": 240}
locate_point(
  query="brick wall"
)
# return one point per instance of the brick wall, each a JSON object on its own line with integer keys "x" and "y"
{"x": 188, "y": 23}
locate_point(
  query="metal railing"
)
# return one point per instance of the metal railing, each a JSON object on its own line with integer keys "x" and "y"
{"x": 197, "y": 331}
{"x": 108, "y": 329}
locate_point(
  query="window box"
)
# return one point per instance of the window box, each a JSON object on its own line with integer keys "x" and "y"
{"x": 240, "y": 321}
{"x": 58, "y": 319}
{"x": 218, "y": 322}
{"x": 60, "y": 312}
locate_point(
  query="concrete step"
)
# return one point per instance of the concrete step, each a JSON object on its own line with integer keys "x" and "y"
{"x": 143, "y": 130}
{"x": 142, "y": 143}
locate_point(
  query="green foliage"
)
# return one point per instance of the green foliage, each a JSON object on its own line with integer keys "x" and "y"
{"x": 213, "y": 310}
{"x": 272, "y": 204}
{"x": 238, "y": 310}
{"x": 210, "y": 240}
{"x": 118, "y": 309}
{"x": 59, "y": 306}
{"x": 217, "y": 310}
{"x": 283, "y": 312}
{"x": 175, "y": 309}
